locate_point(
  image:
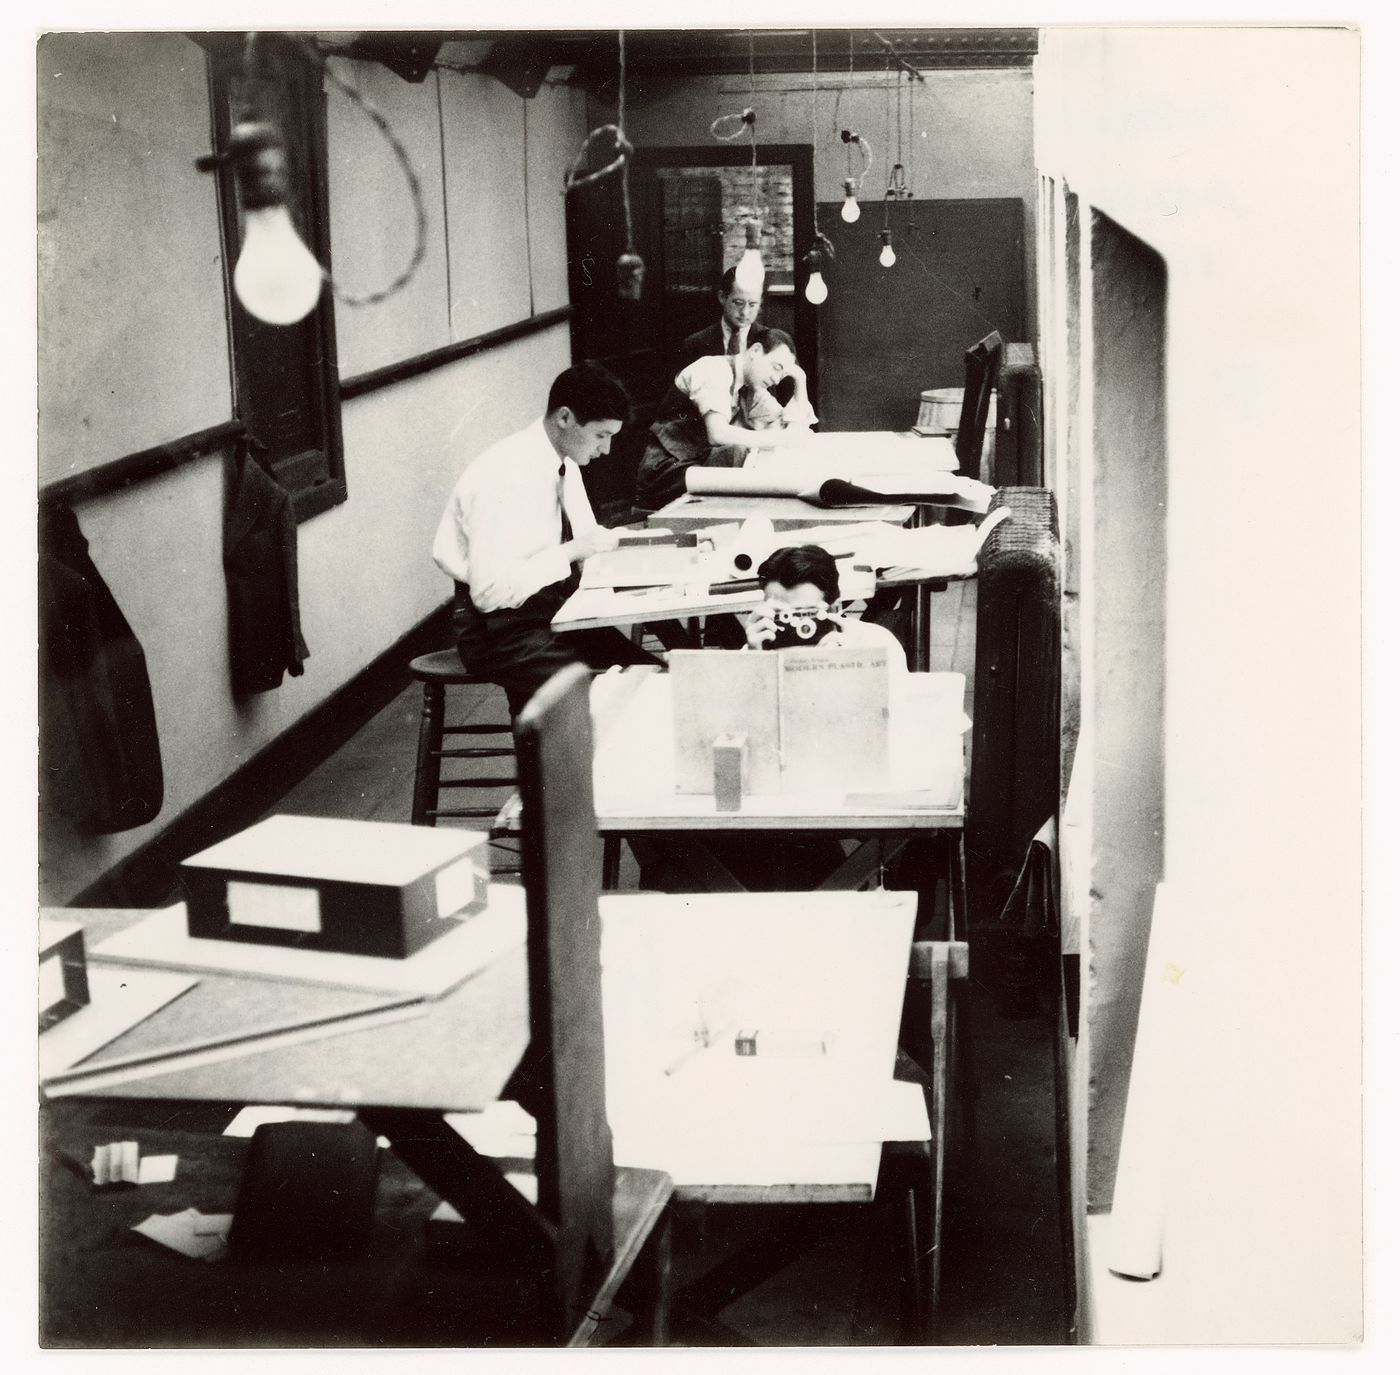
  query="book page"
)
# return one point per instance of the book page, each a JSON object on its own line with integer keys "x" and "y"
{"x": 716, "y": 693}
{"x": 834, "y": 718}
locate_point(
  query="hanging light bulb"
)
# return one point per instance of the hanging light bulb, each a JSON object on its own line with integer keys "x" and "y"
{"x": 850, "y": 209}
{"x": 748, "y": 275}
{"x": 816, "y": 291}
{"x": 277, "y": 279}
{"x": 887, "y": 258}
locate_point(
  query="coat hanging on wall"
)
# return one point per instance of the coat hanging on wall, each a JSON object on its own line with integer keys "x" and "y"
{"x": 260, "y": 569}
{"x": 98, "y": 746}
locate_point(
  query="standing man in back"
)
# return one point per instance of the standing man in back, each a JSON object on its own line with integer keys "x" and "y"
{"x": 730, "y": 333}
{"x": 515, "y": 529}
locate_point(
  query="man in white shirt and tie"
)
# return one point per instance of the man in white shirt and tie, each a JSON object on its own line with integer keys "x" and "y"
{"x": 515, "y": 528}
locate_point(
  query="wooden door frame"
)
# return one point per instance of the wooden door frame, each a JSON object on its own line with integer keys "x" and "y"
{"x": 798, "y": 156}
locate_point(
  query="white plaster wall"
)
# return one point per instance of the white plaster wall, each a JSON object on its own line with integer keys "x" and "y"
{"x": 366, "y": 577}
{"x": 1233, "y": 153}
{"x": 372, "y": 216}
{"x": 120, "y": 201}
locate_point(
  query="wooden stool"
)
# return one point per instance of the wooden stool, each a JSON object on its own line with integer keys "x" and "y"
{"x": 437, "y": 672}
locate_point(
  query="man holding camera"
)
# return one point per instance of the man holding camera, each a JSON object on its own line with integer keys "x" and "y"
{"x": 801, "y": 606}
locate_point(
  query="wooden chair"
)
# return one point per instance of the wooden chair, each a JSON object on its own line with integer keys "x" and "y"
{"x": 981, "y": 364}
{"x": 437, "y": 672}
{"x": 603, "y": 1218}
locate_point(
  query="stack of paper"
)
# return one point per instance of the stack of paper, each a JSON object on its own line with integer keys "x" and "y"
{"x": 647, "y": 565}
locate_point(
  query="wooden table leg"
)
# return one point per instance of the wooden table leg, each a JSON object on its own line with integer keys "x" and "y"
{"x": 922, "y": 613}
{"x": 650, "y": 1283}
{"x": 961, "y": 1067}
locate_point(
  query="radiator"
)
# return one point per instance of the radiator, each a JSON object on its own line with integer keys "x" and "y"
{"x": 1014, "y": 786}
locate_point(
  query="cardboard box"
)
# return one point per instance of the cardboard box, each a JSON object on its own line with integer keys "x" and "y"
{"x": 360, "y": 887}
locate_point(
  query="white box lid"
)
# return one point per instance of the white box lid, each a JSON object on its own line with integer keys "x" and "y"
{"x": 314, "y": 847}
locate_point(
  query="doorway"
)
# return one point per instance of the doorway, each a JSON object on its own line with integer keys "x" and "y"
{"x": 688, "y": 205}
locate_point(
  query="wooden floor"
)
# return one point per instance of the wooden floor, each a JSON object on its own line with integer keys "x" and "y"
{"x": 1002, "y": 1273}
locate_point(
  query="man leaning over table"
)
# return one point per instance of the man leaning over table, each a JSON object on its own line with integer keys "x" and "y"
{"x": 717, "y": 410}
{"x": 517, "y": 525}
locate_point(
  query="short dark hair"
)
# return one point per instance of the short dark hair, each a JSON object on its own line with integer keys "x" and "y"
{"x": 798, "y": 563}
{"x": 726, "y": 281}
{"x": 591, "y": 392}
{"x": 770, "y": 339}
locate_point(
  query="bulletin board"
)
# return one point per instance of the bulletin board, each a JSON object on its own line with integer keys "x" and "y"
{"x": 133, "y": 346}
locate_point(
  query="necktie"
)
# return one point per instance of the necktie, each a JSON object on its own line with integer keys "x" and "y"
{"x": 566, "y": 530}
{"x": 733, "y": 346}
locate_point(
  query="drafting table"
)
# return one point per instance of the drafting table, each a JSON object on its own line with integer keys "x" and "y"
{"x": 590, "y": 608}
{"x": 845, "y": 454}
{"x": 635, "y": 797}
{"x": 450, "y": 1054}
{"x": 593, "y": 607}
{"x": 100, "y": 1282}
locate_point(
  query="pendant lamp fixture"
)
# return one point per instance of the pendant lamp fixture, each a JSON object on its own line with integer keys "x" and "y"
{"x": 853, "y": 181}
{"x": 630, "y": 268}
{"x": 749, "y": 271}
{"x": 277, "y": 278}
{"x": 816, "y": 290}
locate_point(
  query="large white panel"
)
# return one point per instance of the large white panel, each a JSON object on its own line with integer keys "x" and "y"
{"x": 133, "y": 349}
{"x": 484, "y": 148}
{"x": 554, "y": 130}
{"x": 372, "y": 217}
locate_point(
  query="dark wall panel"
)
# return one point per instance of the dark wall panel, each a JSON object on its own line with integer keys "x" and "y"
{"x": 887, "y": 334}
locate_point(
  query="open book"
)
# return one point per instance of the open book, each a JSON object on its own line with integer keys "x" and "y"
{"x": 809, "y": 482}
{"x": 815, "y": 720}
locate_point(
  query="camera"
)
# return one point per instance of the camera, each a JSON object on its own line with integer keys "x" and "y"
{"x": 801, "y": 627}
